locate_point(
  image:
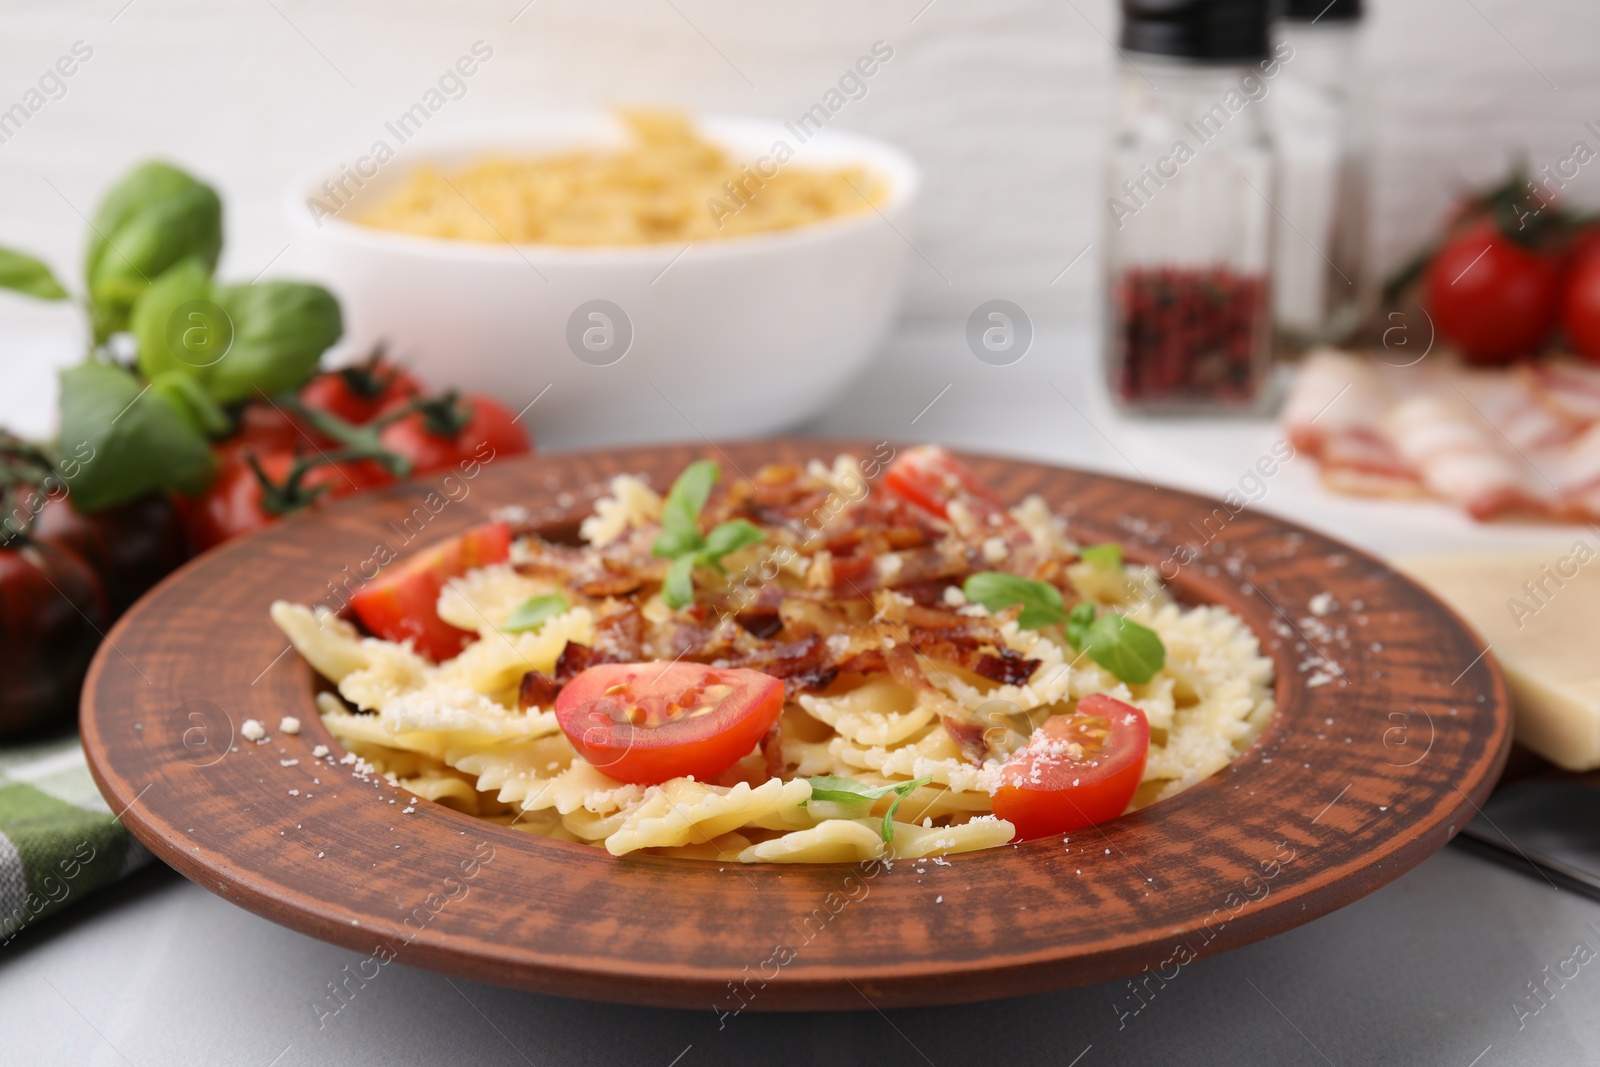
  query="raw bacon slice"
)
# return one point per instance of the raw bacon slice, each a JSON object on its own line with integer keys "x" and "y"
{"x": 1461, "y": 458}
{"x": 1523, "y": 440}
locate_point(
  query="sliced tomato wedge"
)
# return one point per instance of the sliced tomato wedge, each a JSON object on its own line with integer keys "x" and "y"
{"x": 1076, "y": 770}
{"x": 932, "y": 479}
{"x": 648, "y": 722}
{"x": 400, "y": 604}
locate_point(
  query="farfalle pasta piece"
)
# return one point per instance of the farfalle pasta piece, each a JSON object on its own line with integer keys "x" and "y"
{"x": 631, "y": 504}
{"x": 933, "y": 755}
{"x": 682, "y": 811}
{"x": 834, "y": 841}
{"x": 516, "y": 772}
{"x": 480, "y": 600}
{"x": 881, "y": 711}
{"x": 584, "y": 787}
{"x": 912, "y": 840}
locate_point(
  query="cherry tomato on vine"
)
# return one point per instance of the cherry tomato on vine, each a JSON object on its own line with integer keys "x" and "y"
{"x": 360, "y": 392}
{"x": 247, "y": 496}
{"x": 266, "y": 427}
{"x": 648, "y": 722}
{"x": 1580, "y": 311}
{"x": 1494, "y": 298}
{"x": 400, "y": 603}
{"x": 453, "y": 429}
{"x": 1076, "y": 770}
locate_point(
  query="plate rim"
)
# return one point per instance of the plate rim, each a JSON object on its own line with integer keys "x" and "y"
{"x": 912, "y": 981}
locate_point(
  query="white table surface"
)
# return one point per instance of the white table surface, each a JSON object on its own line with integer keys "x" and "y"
{"x": 1425, "y": 971}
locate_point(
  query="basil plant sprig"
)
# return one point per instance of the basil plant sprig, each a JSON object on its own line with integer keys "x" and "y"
{"x": 1131, "y": 652}
{"x": 839, "y": 790}
{"x": 681, "y": 541}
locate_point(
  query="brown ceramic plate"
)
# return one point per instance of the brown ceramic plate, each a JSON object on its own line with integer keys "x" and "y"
{"x": 1354, "y": 781}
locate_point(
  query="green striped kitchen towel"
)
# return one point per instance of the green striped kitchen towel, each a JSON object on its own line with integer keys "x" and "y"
{"x": 59, "y": 841}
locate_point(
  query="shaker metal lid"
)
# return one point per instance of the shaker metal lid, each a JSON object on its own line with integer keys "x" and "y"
{"x": 1206, "y": 30}
{"x": 1321, "y": 11}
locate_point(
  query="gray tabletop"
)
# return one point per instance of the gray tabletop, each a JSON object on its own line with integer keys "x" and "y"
{"x": 1432, "y": 969}
{"x": 1437, "y": 968}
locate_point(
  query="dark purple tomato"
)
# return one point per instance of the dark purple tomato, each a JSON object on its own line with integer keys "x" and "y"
{"x": 52, "y": 613}
{"x": 131, "y": 546}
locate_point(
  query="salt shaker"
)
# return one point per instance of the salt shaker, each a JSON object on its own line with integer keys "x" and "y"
{"x": 1190, "y": 216}
{"x": 1321, "y": 289}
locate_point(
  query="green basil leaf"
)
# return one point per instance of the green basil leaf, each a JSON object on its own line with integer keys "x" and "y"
{"x": 1041, "y": 601}
{"x": 1131, "y": 652}
{"x": 127, "y": 441}
{"x": 730, "y": 537}
{"x": 903, "y": 790}
{"x": 535, "y": 612}
{"x": 670, "y": 544}
{"x": 839, "y": 790}
{"x": 154, "y": 217}
{"x": 192, "y": 402}
{"x": 678, "y": 589}
{"x": 1079, "y": 619}
{"x": 177, "y": 324}
{"x": 23, "y": 273}
{"x": 681, "y": 510}
{"x": 1108, "y": 555}
{"x": 280, "y": 331}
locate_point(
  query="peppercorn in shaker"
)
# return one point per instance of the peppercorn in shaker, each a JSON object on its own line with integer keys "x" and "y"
{"x": 1190, "y": 220}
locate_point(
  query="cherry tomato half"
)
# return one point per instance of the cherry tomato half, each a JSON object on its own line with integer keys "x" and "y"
{"x": 932, "y": 479}
{"x": 358, "y": 393}
{"x": 453, "y": 430}
{"x": 648, "y": 722}
{"x": 1491, "y": 296}
{"x": 1076, "y": 770}
{"x": 401, "y": 602}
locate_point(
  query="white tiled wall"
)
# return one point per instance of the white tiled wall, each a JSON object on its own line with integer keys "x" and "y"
{"x": 1004, "y": 102}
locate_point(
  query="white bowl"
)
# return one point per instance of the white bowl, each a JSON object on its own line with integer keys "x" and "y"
{"x": 730, "y": 337}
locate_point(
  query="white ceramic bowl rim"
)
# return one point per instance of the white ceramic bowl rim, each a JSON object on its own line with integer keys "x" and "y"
{"x": 902, "y": 174}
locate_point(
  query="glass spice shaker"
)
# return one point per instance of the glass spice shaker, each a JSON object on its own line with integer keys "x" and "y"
{"x": 1189, "y": 239}
{"x": 1320, "y": 287}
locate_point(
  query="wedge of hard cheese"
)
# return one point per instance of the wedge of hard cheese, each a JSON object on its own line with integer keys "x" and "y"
{"x": 1540, "y": 614}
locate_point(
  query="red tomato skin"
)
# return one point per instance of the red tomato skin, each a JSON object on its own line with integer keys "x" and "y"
{"x": 233, "y": 506}
{"x": 490, "y": 432}
{"x": 332, "y": 392}
{"x": 1580, "y": 313}
{"x": 265, "y": 427}
{"x": 931, "y": 478}
{"x": 401, "y": 604}
{"x": 1037, "y": 795}
{"x": 701, "y": 746}
{"x": 1491, "y": 297}
{"x": 230, "y": 508}
{"x": 52, "y": 612}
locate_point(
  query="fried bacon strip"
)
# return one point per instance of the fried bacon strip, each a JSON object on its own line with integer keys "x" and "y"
{"x": 871, "y": 601}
